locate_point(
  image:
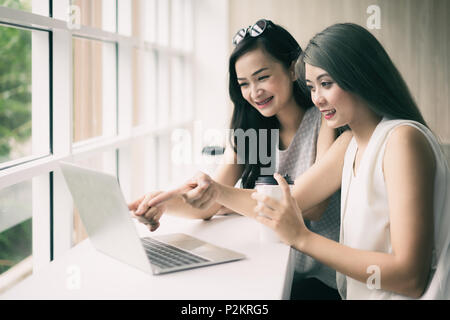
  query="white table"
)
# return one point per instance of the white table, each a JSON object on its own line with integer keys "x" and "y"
{"x": 85, "y": 273}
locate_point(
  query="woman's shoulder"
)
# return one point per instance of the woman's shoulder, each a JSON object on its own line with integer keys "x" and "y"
{"x": 401, "y": 128}
{"x": 410, "y": 142}
{"x": 402, "y": 131}
{"x": 399, "y": 141}
{"x": 407, "y": 135}
{"x": 388, "y": 125}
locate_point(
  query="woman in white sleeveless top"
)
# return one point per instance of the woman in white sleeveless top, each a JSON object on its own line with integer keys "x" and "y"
{"x": 395, "y": 212}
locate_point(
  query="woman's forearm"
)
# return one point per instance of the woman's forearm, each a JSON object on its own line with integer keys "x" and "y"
{"x": 178, "y": 207}
{"x": 240, "y": 201}
{"x": 236, "y": 199}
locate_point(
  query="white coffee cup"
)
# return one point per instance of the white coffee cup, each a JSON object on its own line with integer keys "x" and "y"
{"x": 267, "y": 185}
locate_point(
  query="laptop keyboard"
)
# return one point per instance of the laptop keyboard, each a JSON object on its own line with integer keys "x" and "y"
{"x": 166, "y": 256}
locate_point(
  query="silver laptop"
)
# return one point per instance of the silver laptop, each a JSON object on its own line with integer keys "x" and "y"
{"x": 108, "y": 222}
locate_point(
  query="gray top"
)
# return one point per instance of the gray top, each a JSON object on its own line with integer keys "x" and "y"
{"x": 296, "y": 159}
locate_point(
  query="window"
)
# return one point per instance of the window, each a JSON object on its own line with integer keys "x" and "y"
{"x": 24, "y": 95}
{"x": 162, "y": 28}
{"x": 94, "y": 91}
{"x": 142, "y": 152}
{"x": 181, "y": 25}
{"x": 15, "y": 233}
{"x": 15, "y": 229}
{"x": 182, "y": 89}
{"x": 92, "y": 87}
{"x": 20, "y": 233}
{"x": 96, "y": 14}
{"x": 144, "y": 87}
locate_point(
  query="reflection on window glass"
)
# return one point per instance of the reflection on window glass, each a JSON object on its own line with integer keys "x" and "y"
{"x": 94, "y": 89}
{"x": 24, "y": 5}
{"x": 99, "y": 14}
{"x": 163, "y": 22}
{"x": 149, "y": 25}
{"x": 178, "y": 101}
{"x": 137, "y": 22}
{"x": 143, "y": 170}
{"x": 15, "y": 234}
{"x": 181, "y": 90}
{"x": 163, "y": 114}
{"x": 15, "y": 93}
{"x": 178, "y": 24}
{"x": 163, "y": 147}
{"x": 144, "y": 87}
{"x": 138, "y": 73}
{"x": 181, "y": 25}
{"x": 91, "y": 12}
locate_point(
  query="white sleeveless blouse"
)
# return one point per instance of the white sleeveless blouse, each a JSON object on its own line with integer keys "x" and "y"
{"x": 365, "y": 222}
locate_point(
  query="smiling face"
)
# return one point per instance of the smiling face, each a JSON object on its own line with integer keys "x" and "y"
{"x": 265, "y": 83}
{"x": 339, "y": 107}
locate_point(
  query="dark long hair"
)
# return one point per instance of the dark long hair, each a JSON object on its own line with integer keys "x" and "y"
{"x": 358, "y": 63}
{"x": 280, "y": 45}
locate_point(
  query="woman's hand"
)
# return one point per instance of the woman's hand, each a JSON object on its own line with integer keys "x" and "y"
{"x": 203, "y": 191}
{"x": 200, "y": 192}
{"x": 145, "y": 214}
{"x": 284, "y": 217}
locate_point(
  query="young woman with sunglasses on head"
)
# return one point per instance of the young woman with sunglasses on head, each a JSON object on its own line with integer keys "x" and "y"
{"x": 395, "y": 216}
{"x": 266, "y": 95}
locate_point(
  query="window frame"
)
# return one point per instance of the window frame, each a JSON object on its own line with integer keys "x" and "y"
{"x": 52, "y": 235}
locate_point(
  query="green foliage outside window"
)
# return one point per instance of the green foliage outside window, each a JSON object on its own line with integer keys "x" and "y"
{"x": 15, "y": 86}
{"x": 24, "y": 5}
{"x": 15, "y": 245}
{"x": 15, "y": 122}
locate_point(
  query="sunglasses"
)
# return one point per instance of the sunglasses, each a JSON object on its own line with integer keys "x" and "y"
{"x": 254, "y": 30}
